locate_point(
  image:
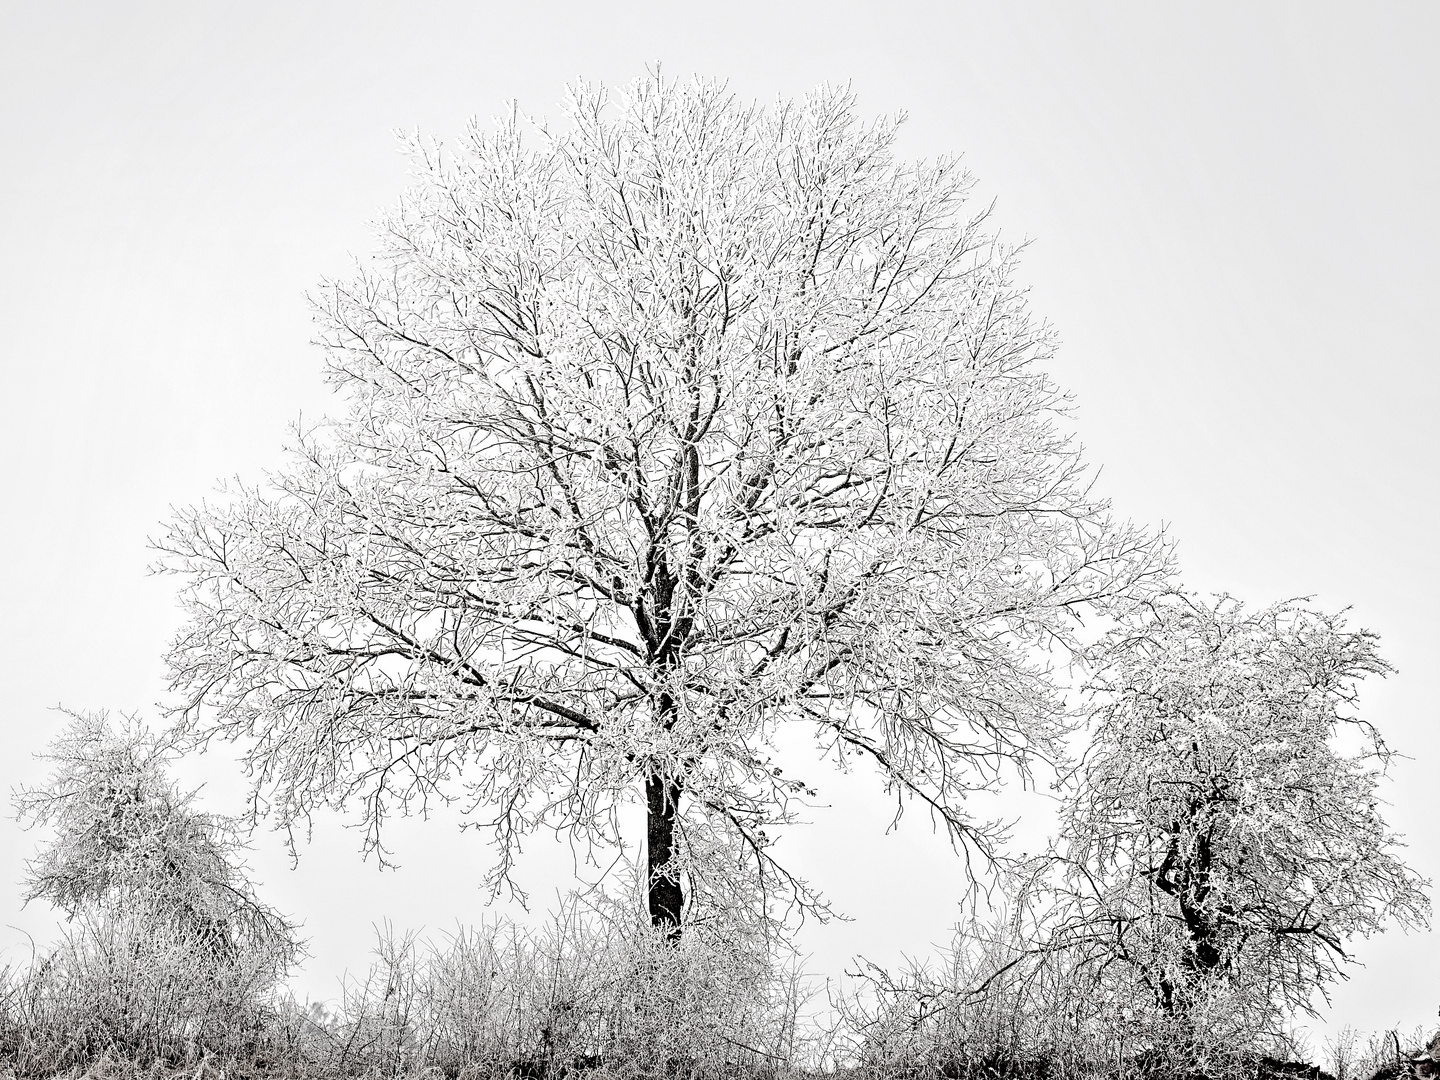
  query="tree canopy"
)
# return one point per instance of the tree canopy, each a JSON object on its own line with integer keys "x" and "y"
{"x": 665, "y": 427}
{"x": 1224, "y": 842}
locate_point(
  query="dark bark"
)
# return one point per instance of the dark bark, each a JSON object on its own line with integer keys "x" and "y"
{"x": 664, "y": 894}
{"x": 1189, "y": 881}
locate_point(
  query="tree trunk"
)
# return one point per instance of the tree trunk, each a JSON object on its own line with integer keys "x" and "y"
{"x": 663, "y": 893}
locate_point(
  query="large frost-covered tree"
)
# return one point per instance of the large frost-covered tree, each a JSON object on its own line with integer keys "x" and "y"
{"x": 676, "y": 424}
{"x": 1224, "y": 841}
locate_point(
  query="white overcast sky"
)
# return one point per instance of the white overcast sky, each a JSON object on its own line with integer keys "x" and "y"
{"x": 1235, "y": 226}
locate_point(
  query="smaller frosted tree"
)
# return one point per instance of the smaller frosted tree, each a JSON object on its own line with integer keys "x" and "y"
{"x": 1224, "y": 840}
{"x": 131, "y": 857}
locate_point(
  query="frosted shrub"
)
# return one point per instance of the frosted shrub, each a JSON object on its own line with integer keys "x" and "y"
{"x": 132, "y": 985}
{"x": 1000, "y": 1004}
{"x": 585, "y": 992}
{"x": 992, "y": 1006}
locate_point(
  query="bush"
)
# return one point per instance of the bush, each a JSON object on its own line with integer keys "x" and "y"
{"x": 588, "y": 992}
{"x": 126, "y": 985}
{"x": 1003, "y": 1005}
